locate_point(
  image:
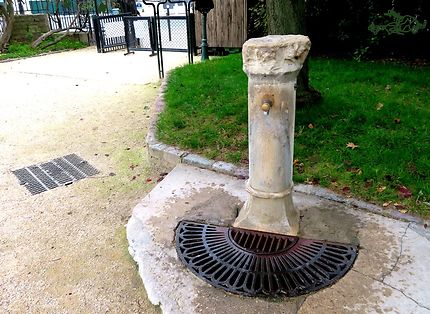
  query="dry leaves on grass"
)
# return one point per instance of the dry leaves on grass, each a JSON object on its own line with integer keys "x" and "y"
{"x": 404, "y": 192}
{"x": 381, "y": 189}
{"x": 300, "y": 167}
{"x": 352, "y": 145}
{"x": 312, "y": 181}
{"x": 400, "y": 207}
{"x": 346, "y": 189}
{"x": 355, "y": 170}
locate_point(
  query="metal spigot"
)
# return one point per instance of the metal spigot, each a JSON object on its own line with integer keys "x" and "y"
{"x": 266, "y": 105}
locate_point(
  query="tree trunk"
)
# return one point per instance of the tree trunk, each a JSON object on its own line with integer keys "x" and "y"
{"x": 288, "y": 17}
{"x": 7, "y": 12}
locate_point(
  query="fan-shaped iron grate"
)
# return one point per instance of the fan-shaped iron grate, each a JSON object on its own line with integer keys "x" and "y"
{"x": 257, "y": 263}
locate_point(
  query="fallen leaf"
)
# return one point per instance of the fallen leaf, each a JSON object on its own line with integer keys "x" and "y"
{"x": 404, "y": 192}
{"x": 346, "y": 189}
{"x": 381, "y": 189}
{"x": 396, "y": 120}
{"x": 313, "y": 181}
{"x": 399, "y": 206}
{"x": 310, "y": 126}
{"x": 354, "y": 170}
{"x": 300, "y": 167}
{"x": 149, "y": 180}
{"x": 386, "y": 204}
{"x": 368, "y": 184}
{"x": 379, "y": 106}
{"x": 351, "y": 145}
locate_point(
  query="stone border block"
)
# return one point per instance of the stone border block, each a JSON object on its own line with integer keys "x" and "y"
{"x": 224, "y": 167}
{"x": 198, "y": 161}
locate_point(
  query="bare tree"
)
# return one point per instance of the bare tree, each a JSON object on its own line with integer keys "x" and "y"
{"x": 8, "y": 16}
{"x": 73, "y": 26}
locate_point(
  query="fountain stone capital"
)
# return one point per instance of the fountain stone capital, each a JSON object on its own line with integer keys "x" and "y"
{"x": 275, "y": 56}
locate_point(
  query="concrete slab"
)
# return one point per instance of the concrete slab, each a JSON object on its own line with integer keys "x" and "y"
{"x": 389, "y": 274}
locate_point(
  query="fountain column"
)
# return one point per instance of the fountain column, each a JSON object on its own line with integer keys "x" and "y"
{"x": 272, "y": 64}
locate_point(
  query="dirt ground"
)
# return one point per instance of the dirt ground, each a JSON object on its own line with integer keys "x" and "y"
{"x": 64, "y": 250}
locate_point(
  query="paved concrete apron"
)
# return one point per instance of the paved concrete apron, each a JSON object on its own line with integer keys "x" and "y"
{"x": 390, "y": 274}
{"x": 64, "y": 251}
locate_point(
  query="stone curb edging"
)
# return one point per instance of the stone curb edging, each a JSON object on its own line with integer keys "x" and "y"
{"x": 168, "y": 157}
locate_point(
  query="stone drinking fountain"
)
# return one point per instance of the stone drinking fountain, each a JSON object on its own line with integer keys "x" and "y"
{"x": 261, "y": 255}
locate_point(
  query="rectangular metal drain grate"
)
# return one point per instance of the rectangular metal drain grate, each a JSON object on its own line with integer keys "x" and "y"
{"x": 58, "y": 172}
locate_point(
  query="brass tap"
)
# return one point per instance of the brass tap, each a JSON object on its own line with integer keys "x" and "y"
{"x": 266, "y": 105}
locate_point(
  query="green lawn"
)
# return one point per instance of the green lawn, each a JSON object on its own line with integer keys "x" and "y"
{"x": 22, "y": 50}
{"x": 382, "y": 108}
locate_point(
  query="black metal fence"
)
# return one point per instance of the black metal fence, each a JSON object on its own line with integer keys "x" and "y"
{"x": 61, "y": 13}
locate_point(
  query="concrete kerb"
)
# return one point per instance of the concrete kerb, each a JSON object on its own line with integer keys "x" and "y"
{"x": 167, "y": 157}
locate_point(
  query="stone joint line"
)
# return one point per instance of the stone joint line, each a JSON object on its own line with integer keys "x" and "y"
{"x": 399, "y": 256}
{"x": 267, "y": 195}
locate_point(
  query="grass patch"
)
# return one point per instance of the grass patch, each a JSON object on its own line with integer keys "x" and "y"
{"x": 382, "y": 108}
{"x": 24, "y": 50}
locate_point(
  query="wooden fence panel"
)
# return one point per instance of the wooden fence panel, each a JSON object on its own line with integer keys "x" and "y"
{"x": 227, "y": 24}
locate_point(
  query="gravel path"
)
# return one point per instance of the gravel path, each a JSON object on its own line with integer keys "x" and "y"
{"x": 64, "y": 250}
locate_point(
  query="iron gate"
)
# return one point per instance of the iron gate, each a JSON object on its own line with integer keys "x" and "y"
{"x": 109, "y": 32}
{"x": 154, "y": 33}
{"x": 140, "y": 34}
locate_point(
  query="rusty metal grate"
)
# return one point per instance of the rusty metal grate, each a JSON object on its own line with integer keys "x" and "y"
{"x": 58, "y": 172}
{"x": 257, "y": 263}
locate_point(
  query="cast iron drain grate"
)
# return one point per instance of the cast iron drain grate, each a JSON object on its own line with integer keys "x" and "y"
{"x": 257, "y": 263}
{"x": 58, "y": 172}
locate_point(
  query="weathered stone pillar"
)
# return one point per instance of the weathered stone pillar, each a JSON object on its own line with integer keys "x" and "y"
{"x": 272, "y": 64}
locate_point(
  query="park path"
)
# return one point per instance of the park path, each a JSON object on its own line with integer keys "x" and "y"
{"x": 64, "y": 250}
